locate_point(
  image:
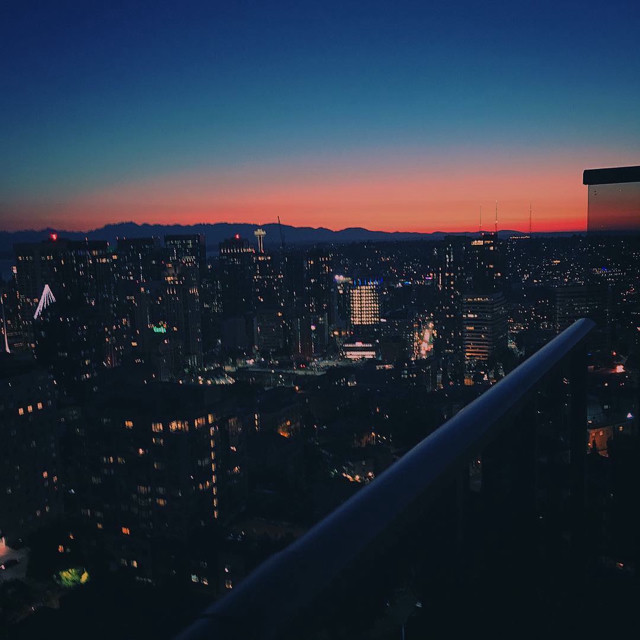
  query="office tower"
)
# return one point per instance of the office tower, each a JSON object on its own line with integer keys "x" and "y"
{"x": 317, "y": 273}
{"x": 364, "y": 303}
{"x": 484, "y": 319}
{"x": 79, "y": 273}
{"x": 269, "y": 303}
{"x": 181, "y": 310}
{"x": 189, "y": 250}
{"x": 138, "y": 260}
{"x": 486, "y": 268}
{"x": 164, "y": 464}
{"x": 340, "y": 298}
{"x": 236, "y": 274}
{"x": 29, "y": 456}
{"x": 72, "y": 320}
{"x": 236, "y": 269}
{"x": 573, "y": 302}
{"x": 450, "y": 283}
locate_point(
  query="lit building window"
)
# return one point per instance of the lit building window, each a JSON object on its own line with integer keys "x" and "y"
{"x": 126, "y": 531}
{"x": 228, "y": 584}
{"x": 128, "y": 424}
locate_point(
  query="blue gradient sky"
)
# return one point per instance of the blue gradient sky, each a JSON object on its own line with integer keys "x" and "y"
{"x": 105, "y": 105}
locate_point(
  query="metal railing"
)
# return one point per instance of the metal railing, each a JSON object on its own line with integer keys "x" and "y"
{"x": 286, "y": 585}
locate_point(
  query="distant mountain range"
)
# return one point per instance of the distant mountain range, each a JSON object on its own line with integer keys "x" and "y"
{"x": 215, "y": 233}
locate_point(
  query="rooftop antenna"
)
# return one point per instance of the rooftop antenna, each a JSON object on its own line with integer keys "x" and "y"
{"x": 496, "y": 217}
{"x": 4, "y": 327}
{"x": 530, "y": 220}
{"x": 480, "y": 219}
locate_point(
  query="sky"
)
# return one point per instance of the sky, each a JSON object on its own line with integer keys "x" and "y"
{"x": 410, "y": 116}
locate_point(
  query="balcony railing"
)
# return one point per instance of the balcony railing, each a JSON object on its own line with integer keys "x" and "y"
{"x": 283, "y": 590}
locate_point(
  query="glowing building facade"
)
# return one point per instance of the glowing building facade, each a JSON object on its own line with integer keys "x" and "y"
{"x": 365, "y": 303}
{"x": 484, "y": 318}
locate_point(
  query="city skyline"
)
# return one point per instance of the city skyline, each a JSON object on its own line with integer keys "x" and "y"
{"x": 398, "y": 119}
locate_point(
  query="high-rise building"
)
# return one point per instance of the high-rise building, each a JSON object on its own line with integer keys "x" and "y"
{"x": 486, "y": 263}
{"x": 189, "y": 250}
{"x": 164, "y": 462}
{"x": 484, "y": 325}
{"x": 236, "y": 270}
{"x": 31, "y": 494}
{"x": 181, "y": 306}
{"x": 138, "y": 260}
{"x": 365, "y": 303}
{"x": 66, "y": 291}
{"x": 573, "y": 302}
{"x": 450, "y": 283}
{"x": 77, "y": 272}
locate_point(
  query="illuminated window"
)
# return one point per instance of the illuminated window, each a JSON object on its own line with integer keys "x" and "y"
{"x": 30, "y": 408}
{"x": 126, "y": 531}
{"x": 21, "y": 411}
{"x": 156, "y": 427}
{"x": 39, "y": 405}
{"x": 128, "y": 424}
{"x": 228, "y": 584}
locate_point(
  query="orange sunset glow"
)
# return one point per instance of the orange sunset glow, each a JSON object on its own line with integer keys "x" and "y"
{"x": 420, "y": 199}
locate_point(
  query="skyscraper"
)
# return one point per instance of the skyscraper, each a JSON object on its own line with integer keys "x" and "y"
{"x": 365, "y": 303}
{"x": 484, "y": 325}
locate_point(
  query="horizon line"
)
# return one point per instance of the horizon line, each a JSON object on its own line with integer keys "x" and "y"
{"x": 275, "y": 223}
